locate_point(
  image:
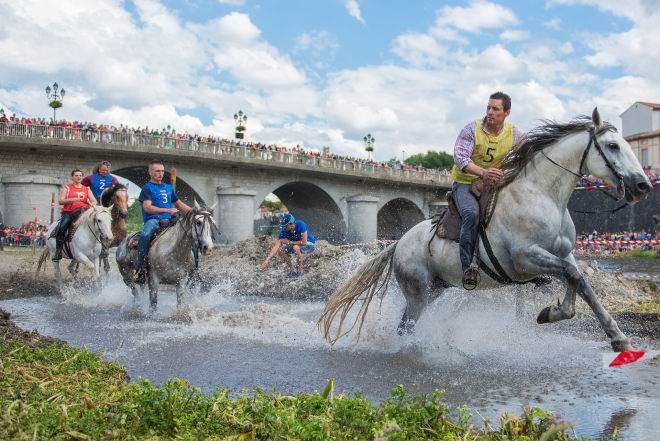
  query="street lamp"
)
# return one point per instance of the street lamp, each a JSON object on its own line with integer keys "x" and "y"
{"x": 369, "y": 141}
{"x": 240, "y": 118}
{"x": 403, "y": 155}
{"x": 56, "y": 99}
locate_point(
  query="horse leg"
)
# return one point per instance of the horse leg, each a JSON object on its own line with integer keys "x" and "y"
{"x": 58, "y": 274}
{"x": 414, "y": 292}
{"x": 179, "y": 292}
{"x": 619, "y": 341}
{"x": 542, "y": 262}
{"x": 153, "y": 292}
{"x": 106, "y": 264}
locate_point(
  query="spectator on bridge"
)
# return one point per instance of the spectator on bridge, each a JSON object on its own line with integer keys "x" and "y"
{"x": 294, "y": 238}
{"x": 100, "y": 179}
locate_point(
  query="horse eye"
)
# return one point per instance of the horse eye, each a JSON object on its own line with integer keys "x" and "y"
{"x": 613, "y": 146}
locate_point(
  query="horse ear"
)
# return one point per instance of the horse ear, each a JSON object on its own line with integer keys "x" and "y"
{"x": 595, "y": 117}
{"x": 212, "y": 207}
{"x": 197, "y": 207}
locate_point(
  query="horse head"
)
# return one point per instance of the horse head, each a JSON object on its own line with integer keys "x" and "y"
{"x": 611, "y": 158}
{"x": 116, "y": 197}
{"x": 202, "y": 227}
{"x": 98, "y": 220}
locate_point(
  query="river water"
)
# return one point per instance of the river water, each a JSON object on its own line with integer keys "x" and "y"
{"x": 473, "y": 346}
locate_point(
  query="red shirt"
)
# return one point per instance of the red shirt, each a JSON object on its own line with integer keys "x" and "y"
{"x": 81, "y": 194}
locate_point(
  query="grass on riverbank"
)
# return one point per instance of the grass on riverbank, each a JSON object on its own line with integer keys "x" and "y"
{"x": 66, "y": 393}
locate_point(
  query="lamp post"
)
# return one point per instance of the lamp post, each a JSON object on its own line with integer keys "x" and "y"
{"x": 56, "y": 99}
{"x": 240, "y": 118}
{"x": 369, "y": 141}
{"x": 403, "y": 156}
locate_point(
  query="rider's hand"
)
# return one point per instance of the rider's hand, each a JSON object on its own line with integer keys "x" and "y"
{"x": 172, "y": 210}
{"x": 494, "y": 174}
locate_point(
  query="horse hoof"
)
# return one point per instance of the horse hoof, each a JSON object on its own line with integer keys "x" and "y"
{"x": 544, "y": 316}
{"x": 622, "y": 345}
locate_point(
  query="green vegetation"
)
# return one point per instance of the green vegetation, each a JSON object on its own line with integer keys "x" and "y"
{"x": 134, "y": 219}
{"x": 66, "y": 393}
{"x": 648, "y": 254}
{"x": 271, "y": 205}
{"x": 432, "y": 159}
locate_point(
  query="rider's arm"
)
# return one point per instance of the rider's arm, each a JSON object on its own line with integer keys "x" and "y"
{"x": 63, "y": 200}
{"x": 181, "y": 206}
{"x": 464, "y": 146}
{"x": 92, "y": 199}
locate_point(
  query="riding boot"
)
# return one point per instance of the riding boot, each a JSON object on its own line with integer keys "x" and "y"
{"x": 59, "y": 244}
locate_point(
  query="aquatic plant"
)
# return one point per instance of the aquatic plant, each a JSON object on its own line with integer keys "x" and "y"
{"x": 68, "y": 393}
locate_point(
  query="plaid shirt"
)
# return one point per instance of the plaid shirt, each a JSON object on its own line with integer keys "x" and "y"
{"x": 465, "y": 143}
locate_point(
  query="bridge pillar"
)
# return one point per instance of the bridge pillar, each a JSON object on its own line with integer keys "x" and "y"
{"x": 362, "y": 218}
{"x": 235, "y": 214}
{"x": 29, "y": 196}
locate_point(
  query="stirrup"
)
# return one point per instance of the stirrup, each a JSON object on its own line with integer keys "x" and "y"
{"x": 471, "y": 277}
{"x": 139, "y": 276}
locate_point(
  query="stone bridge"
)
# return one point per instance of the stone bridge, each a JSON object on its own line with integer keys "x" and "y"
{"x": 341, "y": 201}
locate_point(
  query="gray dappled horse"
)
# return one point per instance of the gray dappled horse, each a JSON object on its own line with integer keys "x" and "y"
{"x": 91, "y": 229}
{"x": 169, "y": 259}
{"x": 530, "y": 232}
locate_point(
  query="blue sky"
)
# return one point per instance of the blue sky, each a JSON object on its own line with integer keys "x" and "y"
{"x": 328, "y": 72}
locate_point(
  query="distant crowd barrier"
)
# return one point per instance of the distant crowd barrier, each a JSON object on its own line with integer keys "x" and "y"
{"x": 220, "y": 148}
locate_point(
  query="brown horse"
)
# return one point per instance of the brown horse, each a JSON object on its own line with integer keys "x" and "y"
{"x": 116, "y": 196}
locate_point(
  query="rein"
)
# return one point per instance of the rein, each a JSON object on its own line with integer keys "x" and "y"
{"x": 593, "y": 141}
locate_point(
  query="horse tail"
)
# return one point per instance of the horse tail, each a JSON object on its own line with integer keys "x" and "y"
{"x": 42, "y": 259}
{"x": 364, "y": 280}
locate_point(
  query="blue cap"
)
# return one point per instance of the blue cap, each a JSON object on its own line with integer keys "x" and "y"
{"x": 286, "y": 220}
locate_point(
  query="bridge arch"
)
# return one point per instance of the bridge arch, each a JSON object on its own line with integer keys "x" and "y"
{"x": 396, "y": 217}
{"x": 140, "y": 176}
{"x": 312, "y": 204}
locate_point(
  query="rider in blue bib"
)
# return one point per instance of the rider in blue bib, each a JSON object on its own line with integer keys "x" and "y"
{"x": 100, "y": 179}
{"x": 294, "y": 238}
{"x": 156, "y": 198}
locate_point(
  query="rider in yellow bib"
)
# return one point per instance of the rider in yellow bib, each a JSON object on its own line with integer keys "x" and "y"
{"x": 479, "y": 151}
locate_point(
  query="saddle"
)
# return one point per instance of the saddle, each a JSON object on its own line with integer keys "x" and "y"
{"x": 163, "y": 224}
{"x": 75, "y": 215}
{"x": 447, "y": 223}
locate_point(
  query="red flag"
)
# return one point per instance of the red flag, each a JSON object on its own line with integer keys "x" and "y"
{"x": 626, "y": 357}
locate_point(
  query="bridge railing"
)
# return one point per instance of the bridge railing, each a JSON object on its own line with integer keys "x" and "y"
{"x": 222, "y": 148}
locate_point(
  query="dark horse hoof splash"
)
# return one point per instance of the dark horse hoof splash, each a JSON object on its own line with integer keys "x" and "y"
{"x": 531, "y": 230}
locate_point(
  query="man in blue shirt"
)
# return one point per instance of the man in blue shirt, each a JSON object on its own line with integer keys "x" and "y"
{"x": 156, "y": 198}
{"x": 294, "y": 238}
{"x": 100, "y": 180}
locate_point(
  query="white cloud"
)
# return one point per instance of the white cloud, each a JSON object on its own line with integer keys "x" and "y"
{"x": 315, "y": 42}
{"x": 514, "y": 35}
{"x": 479, "y": 15}
{"x": 554, "y": 24}
{"x": 232, "y": 2}
{"x": 353, "y": 9}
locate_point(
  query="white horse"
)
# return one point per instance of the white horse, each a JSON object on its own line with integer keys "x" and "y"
{"x": 169, "y": 259}
{"x": 530, "y": 232}
{"x": 91, "y": 229}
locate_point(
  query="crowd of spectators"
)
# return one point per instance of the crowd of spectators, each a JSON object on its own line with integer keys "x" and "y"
{"x": 23, "y": 236}
{"x": 614, "y": 249}
{"x": 104, "y": 132}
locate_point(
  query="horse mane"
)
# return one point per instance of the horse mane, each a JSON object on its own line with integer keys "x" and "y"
{"x": 546, "y": 134}
{"x": 86, "y": 218}
{"x": 106, "y": 196}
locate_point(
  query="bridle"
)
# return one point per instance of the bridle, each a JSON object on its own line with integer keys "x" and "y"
{"x": 207, "y": 220}
{"x": 580, "y": 174}
{"x": 99, "y": 238}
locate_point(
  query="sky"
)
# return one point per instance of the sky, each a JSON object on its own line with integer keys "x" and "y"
{"x": 328, "y": 72}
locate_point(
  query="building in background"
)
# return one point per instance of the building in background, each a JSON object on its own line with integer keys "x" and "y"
{"x": 641, "y": 128}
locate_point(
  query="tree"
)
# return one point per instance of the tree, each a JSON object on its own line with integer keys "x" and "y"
{"x": 432, "y": 159}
